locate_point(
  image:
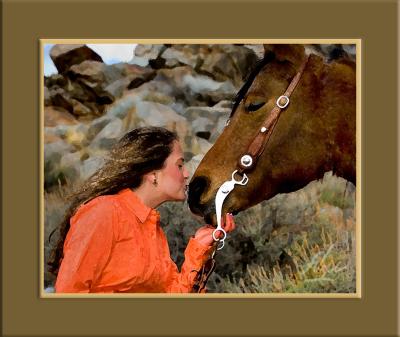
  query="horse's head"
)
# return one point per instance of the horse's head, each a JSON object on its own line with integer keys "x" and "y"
{"x": 314, "y": 134}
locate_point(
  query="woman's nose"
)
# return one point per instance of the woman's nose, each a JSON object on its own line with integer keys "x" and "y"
{"x": 185, "y": 173}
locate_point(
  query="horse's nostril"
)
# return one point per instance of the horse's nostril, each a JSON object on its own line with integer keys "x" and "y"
{"x": 198, "y": 185}
{"x": 196, "y": 188}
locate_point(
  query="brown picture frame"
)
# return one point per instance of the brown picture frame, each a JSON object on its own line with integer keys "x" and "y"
{"x": 25, "y": 312}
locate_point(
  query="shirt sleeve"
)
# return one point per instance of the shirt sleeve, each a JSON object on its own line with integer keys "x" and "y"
{"x": 196, "y": 254}
{"x": 87, "y": 247}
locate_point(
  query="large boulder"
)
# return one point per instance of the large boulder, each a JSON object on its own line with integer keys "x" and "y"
{"x": 66, "y": 55}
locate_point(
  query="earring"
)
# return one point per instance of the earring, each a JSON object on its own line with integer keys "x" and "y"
{"x": 155, "y": 183}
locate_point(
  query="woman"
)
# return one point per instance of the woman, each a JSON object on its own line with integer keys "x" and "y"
{"x": 111, "y": 240}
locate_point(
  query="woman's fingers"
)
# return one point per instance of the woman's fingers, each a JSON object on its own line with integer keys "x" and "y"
{"x": 228, "y": 223}
{"x": 205, "y": 233}
{"x": 218, "y": 234}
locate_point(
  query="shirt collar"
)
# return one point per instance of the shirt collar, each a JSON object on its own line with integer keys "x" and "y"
{"x": 141, "y": 210}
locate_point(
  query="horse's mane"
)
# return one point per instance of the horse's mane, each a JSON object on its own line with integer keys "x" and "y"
{"x": 254, "y": 72}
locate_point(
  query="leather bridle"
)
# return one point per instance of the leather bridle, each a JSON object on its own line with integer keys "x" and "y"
{"x": 246, "y": 162}
{"x": 249, "y": 159}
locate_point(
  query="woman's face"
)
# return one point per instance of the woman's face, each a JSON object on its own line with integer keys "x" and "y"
{"x": 172, "y": 178}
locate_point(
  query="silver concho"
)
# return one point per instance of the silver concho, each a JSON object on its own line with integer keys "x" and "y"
{"x": 246, "y": 160}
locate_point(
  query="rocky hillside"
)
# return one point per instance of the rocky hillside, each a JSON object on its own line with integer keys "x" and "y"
{"x": 89, "y": 105}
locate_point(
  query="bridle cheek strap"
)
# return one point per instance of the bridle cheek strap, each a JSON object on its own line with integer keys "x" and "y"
{"x": 257, "y": 146}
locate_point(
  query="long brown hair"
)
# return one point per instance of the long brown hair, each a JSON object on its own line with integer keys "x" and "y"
{"x": 138, "y": 152}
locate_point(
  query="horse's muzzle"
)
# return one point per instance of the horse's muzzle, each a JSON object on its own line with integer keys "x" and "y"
{"x": 197, "y": 187}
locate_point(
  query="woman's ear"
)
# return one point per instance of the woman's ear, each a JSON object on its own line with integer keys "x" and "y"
{"x": 151, "y": 178}
{"x": 155, "y": 181}
{"x": 293, "y": 53}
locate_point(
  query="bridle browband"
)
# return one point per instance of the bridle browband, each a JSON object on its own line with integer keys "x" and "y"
{"x": 249, "y": 159}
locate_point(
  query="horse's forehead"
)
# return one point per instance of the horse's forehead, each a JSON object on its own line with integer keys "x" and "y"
{"x": 268, "y": 76}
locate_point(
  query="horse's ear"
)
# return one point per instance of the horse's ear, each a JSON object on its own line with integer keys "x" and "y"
{"x": 293, "y": 53}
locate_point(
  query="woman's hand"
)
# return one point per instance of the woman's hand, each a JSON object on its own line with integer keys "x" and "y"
{"x": 204, "y": 234}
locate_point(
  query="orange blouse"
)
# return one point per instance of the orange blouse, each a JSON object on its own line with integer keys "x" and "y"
{"x": 115, "y": 244}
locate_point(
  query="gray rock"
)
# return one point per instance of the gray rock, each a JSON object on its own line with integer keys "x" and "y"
{"x": 96, "y": 126}
{"x": 205, "y": 85}
{"x": 90, "y": 166}
{"x": 109, "y": 135}
{"x": 161, "y": 115}
{"x": 54, "y": 151}
{"x": 117, "y": 87}
{"x": 201, "y": 124}
{"x": 185, "y": 84}
{"x": 121, "y": 107}
{"x": 209, "y": 119}
{"x": 71, "y": 160}
{"x": 176, "y": 56}
{"x": 145, "y": 53}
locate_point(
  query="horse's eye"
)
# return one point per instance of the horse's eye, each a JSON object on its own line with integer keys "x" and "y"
{"x": 254, "y": 106}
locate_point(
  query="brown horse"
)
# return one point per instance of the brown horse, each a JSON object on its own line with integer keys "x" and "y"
{"x": 314, "y": 134}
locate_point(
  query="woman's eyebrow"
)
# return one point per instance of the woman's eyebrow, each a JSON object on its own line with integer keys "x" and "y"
{"x": 180, "y": 159}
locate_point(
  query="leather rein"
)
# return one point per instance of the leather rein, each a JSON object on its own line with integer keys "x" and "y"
{"x": 247, "y": 162}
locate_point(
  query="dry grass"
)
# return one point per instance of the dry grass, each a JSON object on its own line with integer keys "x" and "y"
{"x": 323, "y": 260}
{"x": 302, "y": 242}
{"x": 316, "y": 255}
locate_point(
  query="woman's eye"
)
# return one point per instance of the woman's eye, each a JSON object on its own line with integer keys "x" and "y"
{"x": 254, "y": 106}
